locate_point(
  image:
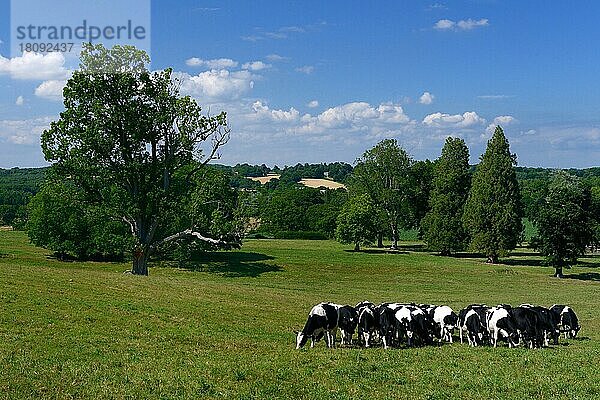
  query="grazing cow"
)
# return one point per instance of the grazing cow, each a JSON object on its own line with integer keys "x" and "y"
{"x": 501, "y": 324}
{"x": 528, "y": 326}
{"x": 347, "y": 321}
{"x": 567, "y": 320}
{"x": 445, "y": 320}
{"x": 421, "y": 325}
{"x": 387, "y": 322}
{"x": 547, "y": 323}
{"x": 404, "y": 328}
{"x": 323, "y": 320}
{"x": 472, "y": 320}
{"x": 368, "y": 322}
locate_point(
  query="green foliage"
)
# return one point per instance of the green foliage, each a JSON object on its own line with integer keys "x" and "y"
{"x": 291, "y": 207}
{"x": 493, "y": 210}
{"x": 17, "y": 186}
{"x": 443, "y": 228}
{"x": 383, "y": 173}
{"x": 355, "y": 222}
{"x": 422, "y": 173}
{"x": 61, "y": 220}
{"x": 125, "y": 136}
{"x": 565, "y": 226}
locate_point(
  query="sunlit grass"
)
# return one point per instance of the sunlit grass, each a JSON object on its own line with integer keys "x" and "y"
{"x": 223, "y": 328}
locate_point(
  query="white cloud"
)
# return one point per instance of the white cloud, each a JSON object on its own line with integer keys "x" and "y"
{"x": 51, "y": 90}
{"x": 262, "y": 111}
{"x": 23, "y": 131}
{"x": 313, "y": 104}
{"x": 471, "y": 23}
{"x": 33, "y": 66}
{"x": 443, "y": 24}
{"x": 307, "y": 69}
{"x": 217, "y": 85}
{"x": 218, "y": 63}
{"x": 276, "y": 58}
{"x": 467, "y": 120}
{"x": 426, "y": 98}
{"x": 462, "y": 25}
{"x": 255, "y": 66}
{"x": 502, "y": 120}
{"x": 20, "y": 101}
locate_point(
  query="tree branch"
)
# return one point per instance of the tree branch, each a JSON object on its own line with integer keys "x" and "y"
{"x": 197, "y": 235}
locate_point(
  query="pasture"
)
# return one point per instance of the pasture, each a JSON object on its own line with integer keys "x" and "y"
{"x": 223, "y": 327}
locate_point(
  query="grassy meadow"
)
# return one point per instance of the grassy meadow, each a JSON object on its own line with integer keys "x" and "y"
{"x": 223, "y": 328}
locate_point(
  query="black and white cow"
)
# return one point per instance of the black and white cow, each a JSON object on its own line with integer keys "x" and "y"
{"x": 501, "y": 324}
{"x": 528, "y": 326}
{"x": 347, "y": 322}
{"x": 446, "y": 321}
{"x": 472, "y": 320}
{"x": 547, "y": 323}
{"x": 323, "y": 320}
{"x": 422, "y": 325}
{"x": 567, "y": 320}
{"x": 368, "y": 322}
{"x": 388, "y": 324}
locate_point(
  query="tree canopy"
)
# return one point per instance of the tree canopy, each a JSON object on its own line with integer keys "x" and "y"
{"x": 493, "y": 212}
{"x": 565, "y": 225}
{"x": 131, "y": 142}
{"x": 443, "y": 228}
{"x": 383, "y": 173}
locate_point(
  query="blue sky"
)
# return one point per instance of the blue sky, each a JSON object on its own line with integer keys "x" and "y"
{"x": 321, "y": 81}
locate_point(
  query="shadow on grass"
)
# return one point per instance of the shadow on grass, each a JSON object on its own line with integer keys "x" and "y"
{"x": 377, "y": 251}
{"x": 584, "y": 276}
{"x": 232, "y": 264}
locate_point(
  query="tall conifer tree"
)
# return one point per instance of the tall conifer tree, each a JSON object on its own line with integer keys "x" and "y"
{"x": 493, "y": 210}
{"x": 442, "y": 226}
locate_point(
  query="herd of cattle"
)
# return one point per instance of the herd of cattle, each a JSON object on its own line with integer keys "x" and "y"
{"x": 393, "y": 324}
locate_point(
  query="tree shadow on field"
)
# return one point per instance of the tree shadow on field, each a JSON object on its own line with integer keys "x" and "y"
{"x": 232, "y": 264}
{"x": 520, "y": 262}
{"x": 377, "y": 251}
{"x": 584, "y": 276}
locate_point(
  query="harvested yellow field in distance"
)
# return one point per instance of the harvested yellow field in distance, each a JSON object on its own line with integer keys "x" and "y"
{"x": 264, "y": 179}
{"x": 316, "y": 183}
{"x": 309, "y": 182}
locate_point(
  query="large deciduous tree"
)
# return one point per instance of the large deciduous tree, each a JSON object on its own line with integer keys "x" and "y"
{"x": 564, "y": 222}
{"x": 355, "y": 223}
{"x": 384, "y": 174}
{"x": 493, "y": 211}
{"x": 130, "y": 141}
{"x": 442, "y": 226}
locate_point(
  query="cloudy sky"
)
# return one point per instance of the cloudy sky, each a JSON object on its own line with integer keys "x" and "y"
{"x": 321, "y": 81}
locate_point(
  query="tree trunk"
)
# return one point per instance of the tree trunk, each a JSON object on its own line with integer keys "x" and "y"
{"x": 380, "y": 240}
{"x": 140, "y": 261}
{"x": 394, "y": 238}
{"x": 357, "y": 246}
{"x": 558, "y": 272}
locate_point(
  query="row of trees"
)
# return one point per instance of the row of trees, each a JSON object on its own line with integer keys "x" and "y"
{"x": 462, "y": 210}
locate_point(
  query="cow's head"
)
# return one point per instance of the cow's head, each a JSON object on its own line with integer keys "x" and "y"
{"x": 301, "y": 339}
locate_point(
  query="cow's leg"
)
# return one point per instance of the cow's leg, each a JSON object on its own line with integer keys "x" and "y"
{"x": 495, "y": 338}
{"x": 366, "y": 338}
{"x": 460, "y": 333}
{"x": 343, "y": 336}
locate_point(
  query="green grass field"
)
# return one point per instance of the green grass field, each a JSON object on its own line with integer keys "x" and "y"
{"x": 224, "y": 329}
